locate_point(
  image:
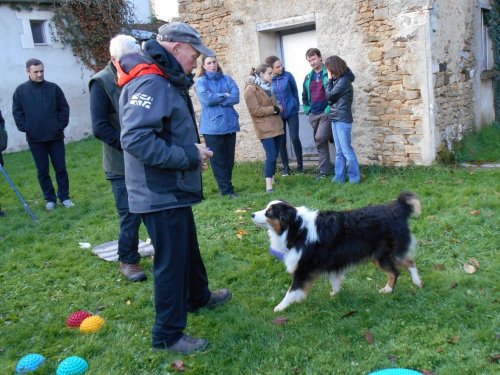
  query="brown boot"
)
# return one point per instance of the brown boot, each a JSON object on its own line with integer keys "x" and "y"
{"x": 132, "y": 272}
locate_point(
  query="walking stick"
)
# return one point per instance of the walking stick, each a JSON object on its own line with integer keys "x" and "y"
{"x": 26, "y": 207}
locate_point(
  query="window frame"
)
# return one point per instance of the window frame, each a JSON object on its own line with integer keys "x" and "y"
{"x": 38, "y": 23}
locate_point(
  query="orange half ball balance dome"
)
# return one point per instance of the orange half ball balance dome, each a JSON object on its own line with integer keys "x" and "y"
{"x": 75, "y": 319}
{"x": 92, "y": 324}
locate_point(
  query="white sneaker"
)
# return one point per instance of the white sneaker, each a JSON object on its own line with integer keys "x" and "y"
{"x": 67, "y": 203}
{"x": 50, "y": 206}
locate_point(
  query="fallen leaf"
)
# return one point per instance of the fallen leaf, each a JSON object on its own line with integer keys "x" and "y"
{"x": 469, "y": 268}
{"x": 178, "y": 365}
{"x": 240, "y": 233}
{"x": 348, "y": 314}
{"x": 495, "y": 358}
{"x": 439, "y": 350}
{"x": 280, "y": 320}
{"x": 475, "y": 212}
{"x": 454, "y": 240}
{"x": 439, "y": 266}
{"x": 427, "y": 372}
{"x": 240, "y": 210}
{"x": 454, "y": 340}
{"x": 369, "y": 337}
{"x": 474, "y": 262}
{"x": 296, "y": 370}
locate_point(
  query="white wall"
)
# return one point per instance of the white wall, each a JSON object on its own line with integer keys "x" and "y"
{"x": 165, "y": 9}
{"x": 142, "y": 10}
{"x": 61, "y": 67}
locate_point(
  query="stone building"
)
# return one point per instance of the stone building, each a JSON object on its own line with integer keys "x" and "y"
{"x": 421, "y": 66}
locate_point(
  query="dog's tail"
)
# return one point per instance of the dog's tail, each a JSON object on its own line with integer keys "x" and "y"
{"x": 411, "y": 200}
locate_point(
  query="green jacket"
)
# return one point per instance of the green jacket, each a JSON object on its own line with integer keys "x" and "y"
{"x": 306, "y": 93}
{"x": 107, "y": 127}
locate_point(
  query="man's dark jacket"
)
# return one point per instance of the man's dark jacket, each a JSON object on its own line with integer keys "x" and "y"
{"x": 158, "y": 133}
{"x": 40, "y": 110}
{"x": 104, "y": 104}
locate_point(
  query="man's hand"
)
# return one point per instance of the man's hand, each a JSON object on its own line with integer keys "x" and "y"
{"x": 205, "y": 155}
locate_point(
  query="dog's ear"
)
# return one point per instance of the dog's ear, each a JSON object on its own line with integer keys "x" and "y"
{"x": 287, "y": 214}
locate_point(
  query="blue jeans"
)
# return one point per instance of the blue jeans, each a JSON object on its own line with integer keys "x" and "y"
{"x": 344, "y": 153}
{"x": 271, "y": 148}
{"x": 128, "y": 240}
{"x": 223, "y": 146}
{"x": 41, "y": 152}
{"x": 293, "y": 126}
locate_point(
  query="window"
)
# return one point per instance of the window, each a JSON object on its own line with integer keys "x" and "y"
{"x": 486, "y": 44}
{"x": 38, "y": 32}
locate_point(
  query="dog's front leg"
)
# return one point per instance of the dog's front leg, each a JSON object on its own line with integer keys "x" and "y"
{"x": 291, "y": 296}
{"x": 336, "y": 279}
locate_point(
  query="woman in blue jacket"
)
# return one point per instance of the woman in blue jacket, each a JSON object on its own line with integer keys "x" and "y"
{"x": 219, "y": 122}
{"x": 285, "y": 91}
{"x": 340, "y": 95}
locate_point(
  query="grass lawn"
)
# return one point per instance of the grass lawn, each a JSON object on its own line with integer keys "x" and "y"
{"x": 480, "y": 146}
{"x": 451, "y": 326}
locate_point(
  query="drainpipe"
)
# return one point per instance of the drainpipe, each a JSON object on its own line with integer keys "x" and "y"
{"x": 428, "y": 146}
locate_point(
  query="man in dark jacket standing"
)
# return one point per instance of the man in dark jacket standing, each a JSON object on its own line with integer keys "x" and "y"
{"x": 163, "y": 165}
{"x": 104, "y": 96}
{"x": 41, "y": 111}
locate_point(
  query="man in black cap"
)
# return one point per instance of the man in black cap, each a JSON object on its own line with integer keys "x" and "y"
{"x": 163, "y": 164}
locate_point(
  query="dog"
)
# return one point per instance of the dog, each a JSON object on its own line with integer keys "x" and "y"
{"x": 330, "y": 242}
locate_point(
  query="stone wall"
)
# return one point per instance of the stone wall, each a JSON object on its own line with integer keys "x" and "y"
{"x": 394, "y": 95}
{"x": 453, "y": 67}
{"x": 412, "y": 67}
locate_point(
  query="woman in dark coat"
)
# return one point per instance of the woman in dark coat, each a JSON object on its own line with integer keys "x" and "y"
{"x": 340, "y": 94}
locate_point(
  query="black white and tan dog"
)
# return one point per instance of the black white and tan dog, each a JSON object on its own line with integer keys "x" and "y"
{"x": 329, "y": 242}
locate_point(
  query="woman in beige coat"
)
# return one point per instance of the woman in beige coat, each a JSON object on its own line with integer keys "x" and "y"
{"x": 265, "y": 113}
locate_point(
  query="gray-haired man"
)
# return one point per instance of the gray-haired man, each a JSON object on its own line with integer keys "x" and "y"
{"x": 104, "y": 96}
{"x": 163, "y": 164}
